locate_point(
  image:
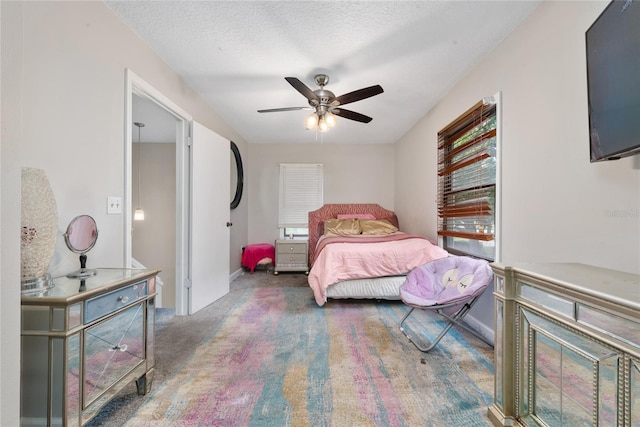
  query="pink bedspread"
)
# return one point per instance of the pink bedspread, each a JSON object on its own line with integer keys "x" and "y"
{"x": 344, "y": 259}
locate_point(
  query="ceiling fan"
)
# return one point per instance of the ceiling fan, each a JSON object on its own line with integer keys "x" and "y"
{"x": 326, "y": 105}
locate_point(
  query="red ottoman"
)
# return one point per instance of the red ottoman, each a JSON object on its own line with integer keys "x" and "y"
{"x": 258, "y": 254}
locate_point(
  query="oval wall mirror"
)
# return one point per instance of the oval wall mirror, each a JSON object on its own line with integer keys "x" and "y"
{"x": 80, "y": 237}
{"x": 237, "y": 176}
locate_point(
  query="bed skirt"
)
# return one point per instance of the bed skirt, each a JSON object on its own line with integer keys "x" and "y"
{"x": 387, "y": 288}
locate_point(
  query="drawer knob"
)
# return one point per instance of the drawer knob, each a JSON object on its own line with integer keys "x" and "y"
{"x": 123, "y": 299}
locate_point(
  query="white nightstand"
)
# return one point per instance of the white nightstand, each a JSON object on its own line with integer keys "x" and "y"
{"x": 292, "y": 255}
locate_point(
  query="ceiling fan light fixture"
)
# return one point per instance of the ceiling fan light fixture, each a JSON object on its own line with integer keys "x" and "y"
{"x": 311, "y": 122}
{"x": 324, "y": 101}
{"x": 323, "y": 126}
{"x": 330, "y": 119}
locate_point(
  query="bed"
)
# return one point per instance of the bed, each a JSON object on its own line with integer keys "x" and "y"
{"x": 357, "y": 251}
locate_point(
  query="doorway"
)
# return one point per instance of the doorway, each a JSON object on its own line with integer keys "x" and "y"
{"x": 202, "y": 214}
{"x": 142, "y": 96}
{"x": 154, "y": 194}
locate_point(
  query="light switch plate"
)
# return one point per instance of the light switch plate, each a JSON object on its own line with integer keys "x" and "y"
{"x": 114, "y": 205}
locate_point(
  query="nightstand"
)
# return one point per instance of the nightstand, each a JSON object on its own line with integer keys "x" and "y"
{"x": 292, "y": 255}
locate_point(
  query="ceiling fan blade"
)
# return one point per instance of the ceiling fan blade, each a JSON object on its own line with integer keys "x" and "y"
{"x": 302, "y": 88}
{"x": 275, "y": 110}
{"x": 351, "y": 115}
{"x": 359, "y": 94}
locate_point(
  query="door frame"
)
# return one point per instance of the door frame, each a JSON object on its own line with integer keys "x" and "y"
{"x": 137, "y": 86}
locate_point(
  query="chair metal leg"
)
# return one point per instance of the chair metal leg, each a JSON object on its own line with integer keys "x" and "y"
{"x": 456, "y": 319}
{"x": 414, "y": 341}
{"x": 465, "y": 327}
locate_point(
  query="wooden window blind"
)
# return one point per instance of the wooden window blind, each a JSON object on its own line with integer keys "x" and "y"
{"x": 301, "y": 191}
{"x": 467, "y": 181}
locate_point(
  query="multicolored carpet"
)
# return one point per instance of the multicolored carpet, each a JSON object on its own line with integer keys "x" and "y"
{"x": 277, "y": 359}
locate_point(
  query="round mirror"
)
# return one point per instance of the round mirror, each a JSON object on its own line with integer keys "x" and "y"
{"x": 80, "y": 237}
{"x": 237, "y": 176}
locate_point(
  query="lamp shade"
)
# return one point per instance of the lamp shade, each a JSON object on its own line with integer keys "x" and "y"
{"x": 138, "y": 215}
{"x": 323, "y": 126}
{"x": 330, "y": 120}
{"x": 38, "y": 230}
{"x": 311, "y": 122}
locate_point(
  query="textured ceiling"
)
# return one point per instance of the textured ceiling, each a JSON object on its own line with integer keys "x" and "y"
{"x": 235, "y": 54}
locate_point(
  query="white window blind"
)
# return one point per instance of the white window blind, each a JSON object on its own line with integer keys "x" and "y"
{"x": 301, "y": 191}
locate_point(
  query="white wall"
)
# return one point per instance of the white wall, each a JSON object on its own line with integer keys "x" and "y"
{"x": 352, "y": 174}
{"x": 10, "y": 137}
{"x": 557, "y": 206}
{"x": 63, "y": 110}
{"x": 75, "y": 56}
{"x": 158, "y": 200}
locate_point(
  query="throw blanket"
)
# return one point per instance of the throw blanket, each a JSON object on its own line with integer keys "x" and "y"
{"x": 324, "y": 241}
{"x": 346, "y": 258}
{"x": 253, "y": 254}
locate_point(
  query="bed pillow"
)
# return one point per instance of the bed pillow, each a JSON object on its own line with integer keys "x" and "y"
{"x": 377, "y": 227}
{"x": 356, "y": 215}
{"x": 393, "y": 219}
{"x": 342, "y": 227}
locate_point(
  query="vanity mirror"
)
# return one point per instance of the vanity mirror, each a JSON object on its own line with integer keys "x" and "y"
{"x": 81, "y": 236}
{"x": 237, "y": 176}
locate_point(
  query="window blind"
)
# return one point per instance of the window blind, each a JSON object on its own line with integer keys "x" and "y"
{"x": 467, "y": 179}
{"x": 301, "y": 191}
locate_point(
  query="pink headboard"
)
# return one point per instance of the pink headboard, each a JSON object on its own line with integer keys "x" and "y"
{"x": 328, "y": 211}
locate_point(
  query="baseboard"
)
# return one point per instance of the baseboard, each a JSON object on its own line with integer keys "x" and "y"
{"x": 235, "y": 275}
{"x": 37, "y": 422}
{"x": 486, "y": 332}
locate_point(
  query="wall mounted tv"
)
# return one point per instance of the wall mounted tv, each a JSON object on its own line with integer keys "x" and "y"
{"x": 613, "y": 80}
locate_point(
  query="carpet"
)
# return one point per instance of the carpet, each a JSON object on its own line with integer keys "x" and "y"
{"x": 277, "y": 359}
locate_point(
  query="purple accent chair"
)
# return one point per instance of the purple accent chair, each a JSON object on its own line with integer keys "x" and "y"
{"x": 450, "y": 287}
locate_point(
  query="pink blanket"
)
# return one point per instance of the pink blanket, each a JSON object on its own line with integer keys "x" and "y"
{"x": 368, "y": 256}
{"x": 253, "y": 254}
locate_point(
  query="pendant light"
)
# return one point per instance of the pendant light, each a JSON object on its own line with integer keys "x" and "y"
{"x": 138, "y": 215}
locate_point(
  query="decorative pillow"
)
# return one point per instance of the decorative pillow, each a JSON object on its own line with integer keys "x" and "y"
{"x": 342, "y": 227}
{"x": 393, "y": 219}
{"x": 356, "y": 215}
{"x": 377, "y": 227}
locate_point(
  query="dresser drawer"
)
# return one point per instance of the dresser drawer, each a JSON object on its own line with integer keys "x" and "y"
{"x": 292, "y": 248}
{"x": 113, "y": 348}
{"x": 102, "y": 305}
{"x": 285, "y": 258}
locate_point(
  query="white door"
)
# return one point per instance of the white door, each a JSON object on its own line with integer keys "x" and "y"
{"x": 210, "y": 216}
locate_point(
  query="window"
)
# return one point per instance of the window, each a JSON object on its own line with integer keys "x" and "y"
{"x": 467, "y": 182}
{"x": 301, "y": 191}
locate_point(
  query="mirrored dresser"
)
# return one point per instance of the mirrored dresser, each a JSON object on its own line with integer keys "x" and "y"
{"x": 567, "y": 346}
{"x": 83, "y": 341}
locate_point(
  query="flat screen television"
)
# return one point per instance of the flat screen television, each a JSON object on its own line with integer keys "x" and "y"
{"x": 613, "y": 80}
